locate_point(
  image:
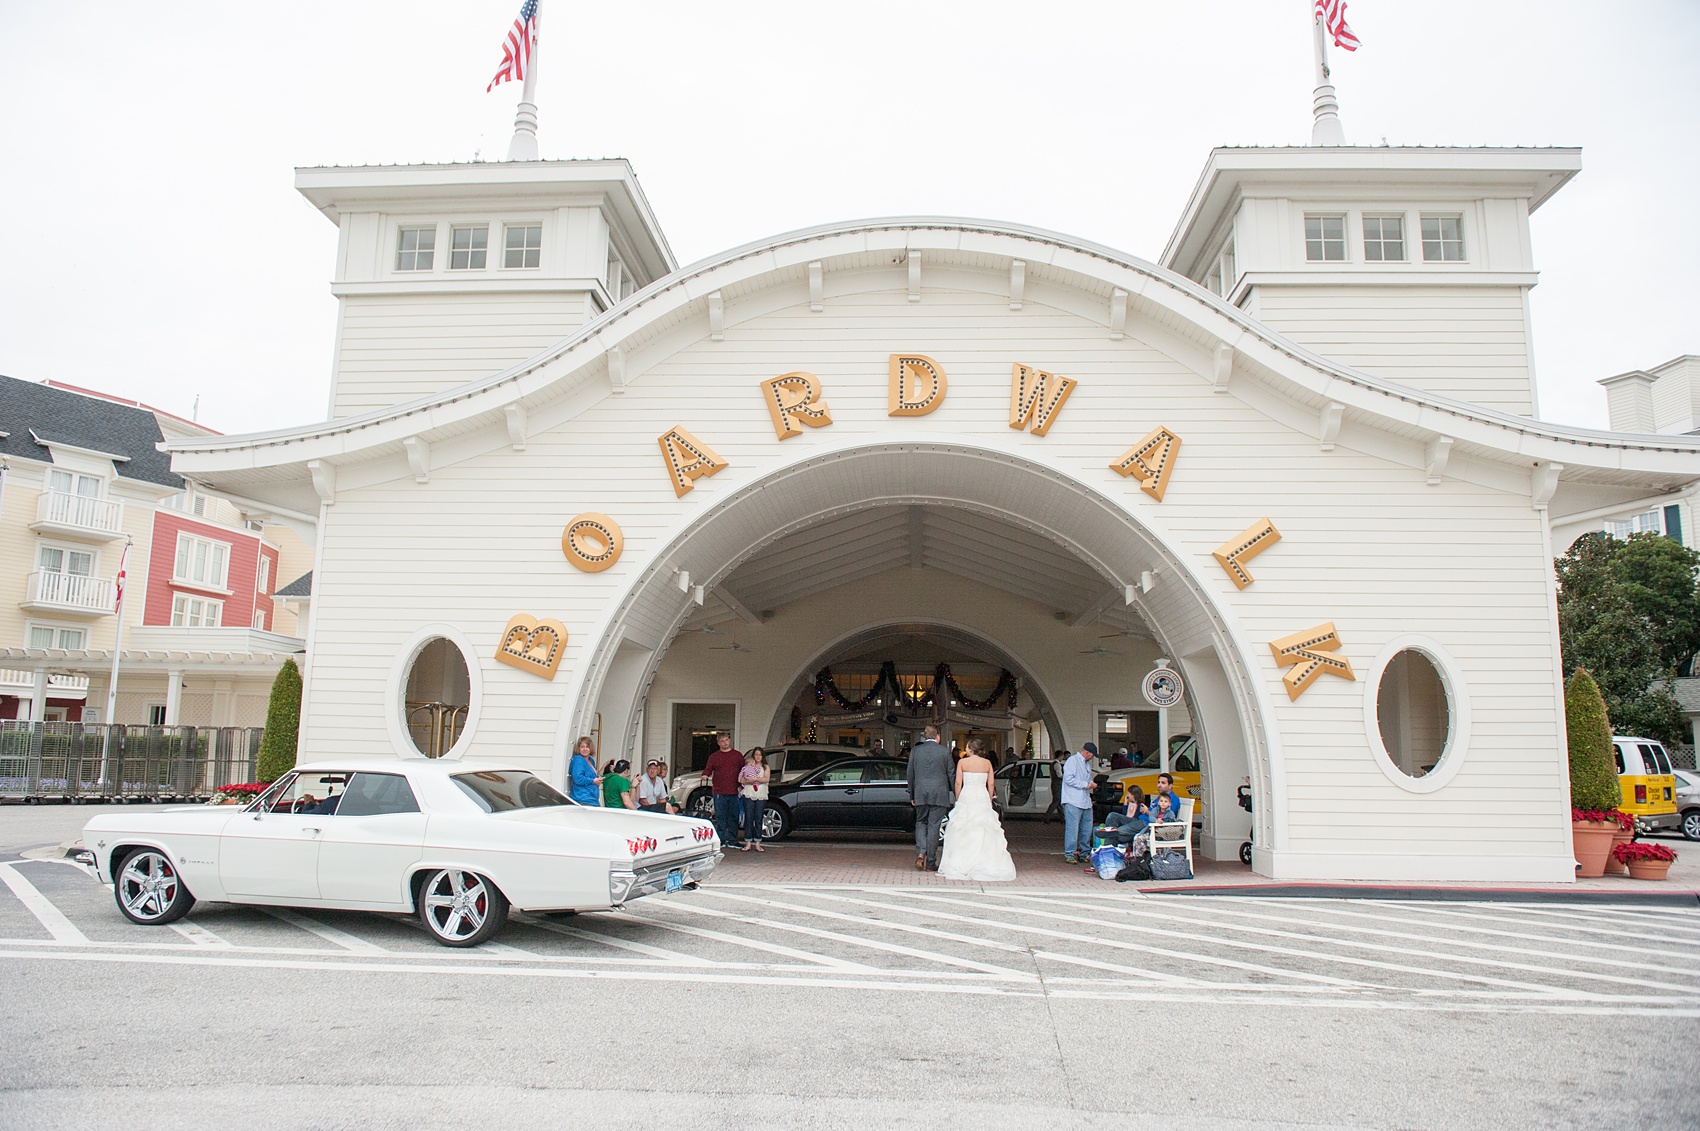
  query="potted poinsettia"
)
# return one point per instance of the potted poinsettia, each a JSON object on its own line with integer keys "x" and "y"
{"x": 1624, "y": 833}
{"x": 1593, "y": 776}
{"x": 238, "y": 793}
{"x": 1645, "y": 861}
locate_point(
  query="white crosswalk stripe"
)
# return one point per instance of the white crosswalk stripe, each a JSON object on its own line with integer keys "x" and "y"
{"x": 1473, "y": 956}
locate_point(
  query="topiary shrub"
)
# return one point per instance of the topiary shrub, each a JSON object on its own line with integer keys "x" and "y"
{"x": 283, "y": 725}
{"x": 1593, "y": 773}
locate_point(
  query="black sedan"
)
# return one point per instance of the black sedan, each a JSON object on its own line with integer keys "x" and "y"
{"x": 854, "y": 793}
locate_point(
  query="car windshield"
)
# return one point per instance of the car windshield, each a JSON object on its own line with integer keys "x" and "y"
{"x": 496, "y": 791}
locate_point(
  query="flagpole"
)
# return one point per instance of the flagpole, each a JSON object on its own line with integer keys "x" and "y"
{"x": 112, "y": 681}
{"x": 523, "y": 147}
{"x": 1327, "y": 129}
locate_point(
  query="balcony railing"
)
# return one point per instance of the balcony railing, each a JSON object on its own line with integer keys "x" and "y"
{"x": 70, "y": 593}
{"x": 64, "y": 512}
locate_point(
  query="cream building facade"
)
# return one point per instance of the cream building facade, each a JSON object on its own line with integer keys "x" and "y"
{"x": 1297, "y": 461}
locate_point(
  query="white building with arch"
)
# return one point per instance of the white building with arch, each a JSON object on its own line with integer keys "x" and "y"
{"x": 1298, "y": 458}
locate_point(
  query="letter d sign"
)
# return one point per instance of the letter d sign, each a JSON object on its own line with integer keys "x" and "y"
{"x": 917, "y": 385}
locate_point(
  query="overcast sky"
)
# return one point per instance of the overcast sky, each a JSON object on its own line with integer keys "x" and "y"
{"x": 156, "y": 248}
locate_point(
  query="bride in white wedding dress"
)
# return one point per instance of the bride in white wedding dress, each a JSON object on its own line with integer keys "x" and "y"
{"x": 974, "y": 844}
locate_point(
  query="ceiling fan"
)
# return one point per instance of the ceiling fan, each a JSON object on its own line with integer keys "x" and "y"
{"x": 1100, "y": 650}
{"x": 734, "y": 646}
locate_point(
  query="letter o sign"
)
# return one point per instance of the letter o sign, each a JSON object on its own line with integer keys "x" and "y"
{"x": 592, "y": 542}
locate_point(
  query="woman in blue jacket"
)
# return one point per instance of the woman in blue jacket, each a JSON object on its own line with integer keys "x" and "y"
{"x": 583, "y": 782}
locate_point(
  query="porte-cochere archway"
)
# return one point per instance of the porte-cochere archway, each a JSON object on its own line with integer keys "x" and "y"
{"x": 1091, "y": 534}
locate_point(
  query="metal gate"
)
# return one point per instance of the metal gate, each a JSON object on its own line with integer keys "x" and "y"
{"x": 119, "y": 762}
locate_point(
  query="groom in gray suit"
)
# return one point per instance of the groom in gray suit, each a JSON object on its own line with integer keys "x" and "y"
{"x": 930, "y": 792}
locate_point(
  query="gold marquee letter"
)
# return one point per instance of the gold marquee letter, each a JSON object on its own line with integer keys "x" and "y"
{"x": 794, "y": 399}
{"x": 1247, "y": 544}
{"x": 1308, "y": 654}
{"x": 1152, "y": 461}
{"x": 1037, "y": 396}
{"x": 532, "y": 645}
{"x": 917, "y": 385}
{"x": 688, "y": 459}
{"x": 592, "y": 542}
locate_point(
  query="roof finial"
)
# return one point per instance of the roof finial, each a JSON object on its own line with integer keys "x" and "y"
{"x": 1327, "y": 129}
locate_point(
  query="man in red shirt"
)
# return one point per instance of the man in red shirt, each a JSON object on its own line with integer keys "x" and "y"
{"x": 721, "y": 773}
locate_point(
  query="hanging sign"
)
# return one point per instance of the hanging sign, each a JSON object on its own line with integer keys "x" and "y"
{"x": 1163, "y": 687}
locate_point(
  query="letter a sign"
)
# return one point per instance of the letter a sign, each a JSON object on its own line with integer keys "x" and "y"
{"x": 688, "y": 459}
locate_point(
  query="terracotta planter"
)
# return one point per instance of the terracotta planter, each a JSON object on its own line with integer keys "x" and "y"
{"x": 1649, "y": 869}
{"x": 1592, "y": 843}
{"x": 1613, "y": 867}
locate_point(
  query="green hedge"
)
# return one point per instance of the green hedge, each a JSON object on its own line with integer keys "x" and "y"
{"x": 1593, "y": 772}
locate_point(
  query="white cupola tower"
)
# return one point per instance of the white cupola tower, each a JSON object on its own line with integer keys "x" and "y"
{"x": 449, "y": 273}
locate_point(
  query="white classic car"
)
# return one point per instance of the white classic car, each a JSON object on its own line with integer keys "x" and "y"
{"x": 457, "y": 844}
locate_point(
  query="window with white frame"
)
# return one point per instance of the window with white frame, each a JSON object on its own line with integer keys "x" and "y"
{"x": 469, "y": 247}
{"x": 415, "y": 248}
{"x": 1384, "y": 239}
{"x": 63, "y": 559}
{"x": 70, "y": 483}
{"x": 522, "y": 245}
{"x": 1325, "y": 239}
{"x": 55, "y": 636}
{"x": 200, "y": 561}
{"x": 156, "y": 714}
{"x": 265, "y": 581}
{"x": 1652, "y": 522}
{"x": 1443, "y": 239}
{"x": 259, "y": 620}
{"x": 616, "y": 277}
{"x": 195, "y": 612}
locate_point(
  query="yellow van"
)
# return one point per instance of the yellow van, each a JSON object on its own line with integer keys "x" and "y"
{"x": 1648, "y": 786}
{"x": 1184, "y": 757}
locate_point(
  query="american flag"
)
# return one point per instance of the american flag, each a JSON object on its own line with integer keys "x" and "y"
{"x": 516, "y": 48}
{"x": 1333, "y": 13}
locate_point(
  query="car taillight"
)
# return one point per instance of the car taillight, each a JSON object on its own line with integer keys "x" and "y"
{"x": 1640, "y": 795}
{"x": 703, "y": 832}
{"x": 641, "y": 844}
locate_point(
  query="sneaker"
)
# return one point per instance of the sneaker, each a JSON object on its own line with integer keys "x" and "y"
{"x": 1071, "y": 859}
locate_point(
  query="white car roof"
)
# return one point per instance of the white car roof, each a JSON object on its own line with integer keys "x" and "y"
{"x": 440, "y": 767}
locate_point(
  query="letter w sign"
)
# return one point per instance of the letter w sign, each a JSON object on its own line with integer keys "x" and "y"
{"x": 1037, "y": 396}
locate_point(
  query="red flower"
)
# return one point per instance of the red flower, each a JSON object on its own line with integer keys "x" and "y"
{"x": 1641, "y": 850}
{"x": 249, "y": 788}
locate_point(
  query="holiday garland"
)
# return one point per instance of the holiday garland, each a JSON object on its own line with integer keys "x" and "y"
{"x": 920, "y": 694}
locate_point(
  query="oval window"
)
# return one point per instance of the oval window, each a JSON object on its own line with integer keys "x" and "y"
{"x": 439, "y": 693}
{"x": 1413, "y": 713}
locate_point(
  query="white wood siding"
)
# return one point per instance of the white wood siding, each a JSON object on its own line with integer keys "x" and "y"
{"x": 1469, "y": 343}
{"x": 394, "y": 348}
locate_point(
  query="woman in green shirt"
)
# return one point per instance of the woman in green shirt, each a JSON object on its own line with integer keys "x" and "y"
{"x": 617, "y": 787}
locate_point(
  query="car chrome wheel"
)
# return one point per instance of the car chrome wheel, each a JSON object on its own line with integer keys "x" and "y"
{"x": 700, "y": 805}
{"x": 461, "y": 908}
{"x": 149, "y": 890}
{"x": 1691, "y": 824}
{"x": 772, "y": 824}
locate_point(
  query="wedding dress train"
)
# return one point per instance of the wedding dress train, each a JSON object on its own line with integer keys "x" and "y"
{"x": 974, "y": 844}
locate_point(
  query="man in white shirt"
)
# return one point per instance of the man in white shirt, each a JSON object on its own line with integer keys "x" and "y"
{"x": 1077, "y": 804}
{"x": 652, "y": 788}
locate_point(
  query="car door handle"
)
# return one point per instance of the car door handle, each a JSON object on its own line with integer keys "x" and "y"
{"x": 315, "y": 832}
{"x": 851, "y": 791}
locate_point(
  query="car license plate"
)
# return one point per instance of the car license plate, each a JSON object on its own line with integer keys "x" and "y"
{"x": 675, "y": 879}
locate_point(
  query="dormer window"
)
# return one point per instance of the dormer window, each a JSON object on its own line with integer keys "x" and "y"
{"x": 1443, "y": 239}
{"x": 522, "y": 245}
{"x": 1384, "y": 239}
{"x": 415, "y": 249}
{"x": 1325, "y": 239}
{"x": 469, "y": 246}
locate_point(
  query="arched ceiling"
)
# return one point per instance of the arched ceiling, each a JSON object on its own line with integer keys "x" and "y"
{"x": 969, "y": 544}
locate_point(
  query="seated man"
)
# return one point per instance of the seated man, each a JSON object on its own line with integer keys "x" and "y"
{"x": 1166, "y": 788}
{"x": 1120, "y": 761}
{"x": 1123, "y": 824}
{"x": 328, "y": 805}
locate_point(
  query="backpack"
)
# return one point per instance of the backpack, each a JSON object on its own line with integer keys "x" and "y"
{"x": 1137, "y": 868}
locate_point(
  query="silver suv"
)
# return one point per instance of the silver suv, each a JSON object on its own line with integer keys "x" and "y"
{"x": 792, "y": 760}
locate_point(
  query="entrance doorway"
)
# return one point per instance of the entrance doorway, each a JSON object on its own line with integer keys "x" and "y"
{"x": 694, "y": 728}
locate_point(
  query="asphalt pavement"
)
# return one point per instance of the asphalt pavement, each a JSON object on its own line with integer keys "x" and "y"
{"x": 755, "y": 1005}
